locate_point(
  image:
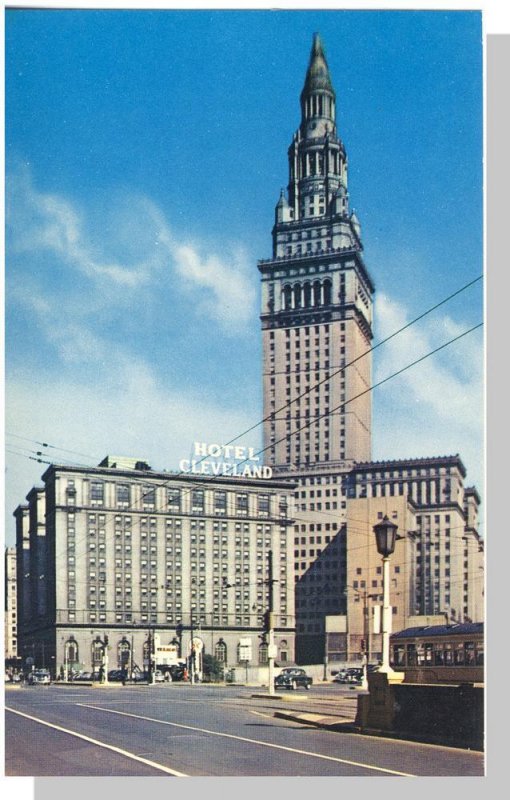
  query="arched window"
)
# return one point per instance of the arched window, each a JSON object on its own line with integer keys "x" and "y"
{"x": 316, "y": 293}
{"x": 327, "y": 293}
{"x": 297, "y": 295}
{"x": 220, "y": 652}
{"x": 71, "y": 651}
{"x": 284, "y": 651}
{"x": 263, "y": 657}
{"x": 287, "y": 297}
{"x": 307, "y": 295}
{"x": 123, "y": 653}
{"x": 97, "y": 654}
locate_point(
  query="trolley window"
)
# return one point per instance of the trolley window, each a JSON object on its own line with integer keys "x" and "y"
{"x": 399, "y": 655}
{"x": 459, "y": 655}
{"x": 412, "y": 658}
{"x": 469, "y": 654}
{"x": 438, "y": 654}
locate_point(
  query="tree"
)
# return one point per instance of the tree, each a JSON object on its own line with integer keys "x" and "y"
{"x": 212, "y": 668}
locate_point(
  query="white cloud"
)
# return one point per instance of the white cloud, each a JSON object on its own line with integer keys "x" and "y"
{"x": 435, "y": 407}
{"x": 147, "y": 258}
{"x": 133, "y": 416}
{"x": 42, "y": 221}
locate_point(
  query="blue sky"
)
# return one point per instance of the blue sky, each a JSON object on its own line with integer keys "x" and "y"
{"x": 145, "y": 152}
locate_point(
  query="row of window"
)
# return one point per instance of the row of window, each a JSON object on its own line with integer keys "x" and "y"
{"x": 175, "y": 497}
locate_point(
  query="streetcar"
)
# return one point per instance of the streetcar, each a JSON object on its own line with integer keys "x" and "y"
{"x": 451, "y": 654}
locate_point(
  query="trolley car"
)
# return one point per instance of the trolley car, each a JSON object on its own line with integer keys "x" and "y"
{"x": 440, "y": 653}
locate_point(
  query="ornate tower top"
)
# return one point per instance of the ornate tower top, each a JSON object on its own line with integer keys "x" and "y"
{"x": 317, "y": 77}
{"x": 318, "y": 95}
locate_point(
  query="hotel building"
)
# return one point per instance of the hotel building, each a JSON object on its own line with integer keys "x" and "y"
{"x": 123, "y": 552}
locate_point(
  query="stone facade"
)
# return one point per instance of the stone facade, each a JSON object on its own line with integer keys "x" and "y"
{"x": 11, "y": 605}
{"x": 131, "y": 554}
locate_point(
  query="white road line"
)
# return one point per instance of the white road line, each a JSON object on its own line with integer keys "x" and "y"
{"x": 251, "y": 741}
{"x": 260, "y": 714}
{"x": 119, "y": 750}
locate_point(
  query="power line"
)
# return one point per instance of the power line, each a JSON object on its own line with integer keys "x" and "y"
{"x": 339, "y": 367}
{"x": 370, "y": 388}
{"x": 316, "y": 419}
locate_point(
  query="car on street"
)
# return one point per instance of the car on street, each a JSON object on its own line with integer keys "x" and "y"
{"x": 116, "y": 675}
{"x": 353, "y": 675}
{"x": 340, "y": 676}
{"x": 39, "y": 677}
{"x": 293, "y": 678}
{"x": 177, "y": 672}
{"x": 83, "y": 676}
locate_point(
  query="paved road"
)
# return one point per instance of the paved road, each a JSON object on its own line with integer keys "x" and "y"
{"x": 179, "y": 730}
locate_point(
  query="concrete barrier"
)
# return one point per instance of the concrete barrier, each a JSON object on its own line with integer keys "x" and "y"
{"x": 437, "y": 713}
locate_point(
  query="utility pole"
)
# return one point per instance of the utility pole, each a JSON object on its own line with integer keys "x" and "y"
{"x": 192, "y": 653}
{"x": 271, "y": 648}
{"x": 105, "y": 659}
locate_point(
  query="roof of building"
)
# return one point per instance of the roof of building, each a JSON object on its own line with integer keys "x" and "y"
{"x": 366, "y": 466}
{"x": 461, "y": 628}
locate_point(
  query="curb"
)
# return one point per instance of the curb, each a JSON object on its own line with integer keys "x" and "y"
{"x": 320, "y": 721}
{"x": 349, "y": 726}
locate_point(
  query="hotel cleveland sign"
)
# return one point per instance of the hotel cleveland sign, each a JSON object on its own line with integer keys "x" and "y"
{"x": 224, "y": 459}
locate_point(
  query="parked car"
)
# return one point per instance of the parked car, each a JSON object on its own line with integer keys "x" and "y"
{"x": 177, "y": 672}
{"x": 351, "y": 675}
{"x": 292, "y": 678}
{"x": 116, "y": 675}
{"x": 39, "y": 677}
{"x": 354, "y": 675}
{"x": 83, "y": 676}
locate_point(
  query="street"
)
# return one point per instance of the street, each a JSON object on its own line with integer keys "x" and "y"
{"x": 182, "y": 730}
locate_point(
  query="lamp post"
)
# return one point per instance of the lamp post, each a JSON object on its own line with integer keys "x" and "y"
{"x": 385, "y": 537}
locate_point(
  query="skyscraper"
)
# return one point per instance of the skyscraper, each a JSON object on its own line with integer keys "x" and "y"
{"x": 316, "y": 319}
{"x": 316, "y": 300}
{"x": 316, "y": 315}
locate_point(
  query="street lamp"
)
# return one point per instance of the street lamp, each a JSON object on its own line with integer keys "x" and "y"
{"x": 385, "y": 537}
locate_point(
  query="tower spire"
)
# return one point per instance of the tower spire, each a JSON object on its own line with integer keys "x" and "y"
{"x": 317, "y": 76}
{"x": 318, "y": 95}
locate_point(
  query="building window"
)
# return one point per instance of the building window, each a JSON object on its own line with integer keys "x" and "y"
{"x": 263, "y": 505}
{"x": 149, "y": 497}
{"x": 242, "y": 504}
{"x": 263, "y": 654}
{"x": 220, "y": 502}
{"x": 173, "y": 498}
{"x": 220, "y": 652}
{"x": 197, "y": 501}
{"x": 122, "y": 495}
{"x": 96, "y": 493}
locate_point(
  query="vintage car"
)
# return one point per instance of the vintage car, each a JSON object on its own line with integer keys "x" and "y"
{"x": 292, "y": 678}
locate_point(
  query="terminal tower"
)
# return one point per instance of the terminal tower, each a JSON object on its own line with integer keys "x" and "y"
{"x": 317, "y": 320}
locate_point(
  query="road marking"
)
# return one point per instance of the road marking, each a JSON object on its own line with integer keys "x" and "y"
{"x": 112, "y": 747}
{"x": 251, "y": 741}
{"x": 260, "y": 714}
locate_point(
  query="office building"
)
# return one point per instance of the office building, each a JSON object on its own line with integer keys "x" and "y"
{"x": 124, "y": 552}
{"x": 316, "y": 315}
